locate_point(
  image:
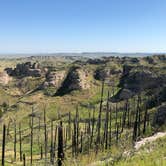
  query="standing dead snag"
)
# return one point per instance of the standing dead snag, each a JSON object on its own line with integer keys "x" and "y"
{"x": 136, "y": 123}
{"x": 89, "y": 123}
{"x": 41, "y": 152}
{"x": 45, "y": 134}
{"x": 98, "y": 139}
{"x": 24, "y": 161}
{"x": 110, "y": 127}
{"x": 55, "y": 135}
{"x": 145, "y": 119}
{"x": 8, "y": 128}
{"x": 32, "y": 134}
{"x": 60, "y": 144}
{"x": 52, "y": 148}
{"x": 128, "y": 114}
{"x": 105, "y": 139}
{"x": 3, "y": 145}
{"x": 117, "y": 133}
{"x": 15, "y": 140}
{"x": 116, "y": 116}
{"x": 124, "y": 115}
{"x": 93, "y": 125}
{"x": 81, "y": 141}
{"x": 39, "y": 130}
{"x": 20, "y": 139}
{"x": 66, "y": 136}
{"x": 69, "y": 124}
{"x": 139, "y": 116}
{"x": 74, "y": 139}
{"x": 77, "y": 129}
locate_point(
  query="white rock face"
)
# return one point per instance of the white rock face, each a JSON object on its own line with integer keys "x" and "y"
{"x": 54, "y": 79}
{"x": 83, "y": 76}
{"x": 4, "y": 78}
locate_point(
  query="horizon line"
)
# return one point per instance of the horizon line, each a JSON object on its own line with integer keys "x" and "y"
{"x": 87, "y": 52}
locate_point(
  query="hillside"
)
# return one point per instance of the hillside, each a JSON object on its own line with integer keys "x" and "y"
{"x": 105, "y": 105}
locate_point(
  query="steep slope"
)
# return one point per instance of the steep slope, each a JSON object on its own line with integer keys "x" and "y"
{"x": 76, "y": 79}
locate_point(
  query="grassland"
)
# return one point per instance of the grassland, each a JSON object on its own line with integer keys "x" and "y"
{"x": 17, "y": 105}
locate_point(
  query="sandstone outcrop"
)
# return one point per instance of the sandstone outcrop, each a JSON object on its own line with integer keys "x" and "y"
{"x": 25, "y": 69}
{"x": 140, "y": 80}
{"x": 103, "y": 73}
{"x": 53, "y": 79}
{"x": 76, "y": 79}
{"x": 4, "y": 78}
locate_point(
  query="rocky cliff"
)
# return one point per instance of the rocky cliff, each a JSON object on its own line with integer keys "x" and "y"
{"x": 25, "y": 69}
{"x": 76, "y": 79}
{"x": 53, "y": 79}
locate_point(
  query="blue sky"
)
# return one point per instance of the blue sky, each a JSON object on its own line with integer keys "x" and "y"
{"x": 40, "y": 26}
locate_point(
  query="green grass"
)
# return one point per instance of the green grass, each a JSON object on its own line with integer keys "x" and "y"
{"x": 152, "y": 154}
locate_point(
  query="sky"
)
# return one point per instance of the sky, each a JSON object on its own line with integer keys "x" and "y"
{"x": 49, "y": 26}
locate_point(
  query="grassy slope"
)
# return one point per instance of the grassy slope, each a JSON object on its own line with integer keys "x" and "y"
{"x": 55, "y": 105}
{"x": 152, "y": 154}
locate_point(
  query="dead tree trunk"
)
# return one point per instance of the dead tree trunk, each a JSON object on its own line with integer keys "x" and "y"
{"x": 20, "y": 138}
{"x": 45, "y": 134}
{"x": 39, "y": 131}
{"x": 106, "y": 124}
{"x": 116, "y": 116}
{"x": 3, "y": 145}
{"x": 74, "y": 142}
{"x": 110, "y": 127}
{"x": 98, "y": 140}
{"x": 81, "y": 148}
{"x": 135, "y": 129}
{"x": 69, "y": 124}
{"x": 124, "y": 115}
{"x": 139, "y": 116}
{"x": 145, "y": 119}
{"x": 60, "y": 145}
{"x": 24, "y": 160}
{"x": 32, "y": 135}
{"x": 93, "y": 125}
{"x": 15, "y": 140}
{"x": 77, "y": 130}
{"x": 55, "y": 135}
{"x": 41, "y": 152}
{"x": 117, "y": 133}
{"x": 52, "y": 149}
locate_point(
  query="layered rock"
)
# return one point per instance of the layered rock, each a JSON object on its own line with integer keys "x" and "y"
{"x": 141, "y": 80}
{"x": 54, "y": 79}
{"x": 76, "y": 79}
{"x": 25, "y": 69}
{"x": 105, "y": 73}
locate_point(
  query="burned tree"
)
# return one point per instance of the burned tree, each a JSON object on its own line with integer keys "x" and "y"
{"x": 3, "y": 145}
{"x": 98, "y": 139}
{"x": 60, "y": 144}
{"x": 20, "y": 139}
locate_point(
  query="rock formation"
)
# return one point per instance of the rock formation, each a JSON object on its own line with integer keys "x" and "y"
{"x": 76, "y": 79}
{"x": 54, "y": 79}
{"x": 103, "y": 73}
{"x": 4, "y": 78}
{"x": 140, "y": 80}
{"x": 24, "y": 70}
